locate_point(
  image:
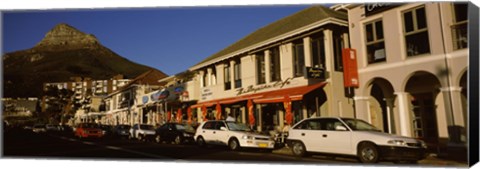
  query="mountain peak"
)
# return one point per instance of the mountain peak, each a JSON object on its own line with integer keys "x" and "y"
{"x": 66, "y": 36}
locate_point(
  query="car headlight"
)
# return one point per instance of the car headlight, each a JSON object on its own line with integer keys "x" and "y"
{"x": 397, "y": 142}
{"x": 187, "y": 135}
{"x": 247, "y": 137}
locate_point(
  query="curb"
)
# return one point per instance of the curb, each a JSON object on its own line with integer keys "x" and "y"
{"x": 431, "y": 160}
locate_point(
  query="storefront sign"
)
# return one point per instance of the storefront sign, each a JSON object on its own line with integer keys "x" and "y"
{"x": 206, "y": 94}
{"x": 374, "y": 8}
{"x": 145, "y": 99}
{"x": 155, "y": 96}
{"x": 350, "y": 72}
{"x": 315, "y": 73}
{"x": 164, "y": 94}
{"x": 178, "y": 90}
{"x": 252, "y": 89}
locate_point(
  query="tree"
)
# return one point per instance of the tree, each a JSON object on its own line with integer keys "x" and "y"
{"x": 58, "y": 102}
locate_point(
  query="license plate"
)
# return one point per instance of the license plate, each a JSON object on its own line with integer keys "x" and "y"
{"x": 262, "y": 144}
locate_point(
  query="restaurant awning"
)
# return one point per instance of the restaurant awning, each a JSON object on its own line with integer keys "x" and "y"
{"x": 275, "y": 96}
{"x": 295, "y": 94}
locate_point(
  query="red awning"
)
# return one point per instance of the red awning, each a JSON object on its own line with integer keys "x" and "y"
{"x": 295, "y": 94}
{"x": 275, "y": 96}
{"x": 228, "y": 100}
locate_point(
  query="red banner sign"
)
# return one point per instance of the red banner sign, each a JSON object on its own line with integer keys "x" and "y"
{"x": 350, "y": 71}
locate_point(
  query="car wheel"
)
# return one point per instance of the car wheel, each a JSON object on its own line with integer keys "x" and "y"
{"x": 233, "y": 144}
{"x": 368, "y": 153}
{"x": 298, "y": 149}
{"x": 178, "y": 140}
{"x": 200, "y": 141}
{"x": 139, "y": 137}
{"x": 158, "y": 139}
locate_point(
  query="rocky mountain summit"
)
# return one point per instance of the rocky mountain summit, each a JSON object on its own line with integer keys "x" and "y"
{"x": 64, "y": 36}
{"x": 63, "y": 53}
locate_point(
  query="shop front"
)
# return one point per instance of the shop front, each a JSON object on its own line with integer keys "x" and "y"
{"x": 269, "y": 110}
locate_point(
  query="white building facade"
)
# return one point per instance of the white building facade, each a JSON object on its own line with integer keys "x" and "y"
{"x": 412, "y": 64}
{"x": 297, "y": 58}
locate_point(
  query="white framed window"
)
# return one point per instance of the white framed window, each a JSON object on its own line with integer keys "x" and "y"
{"x": 416, "y": 32}
{"x": 260, "y": 64}
{"x": 460, "y": 25}
{"x": 226, "y": 77}
{"x": 298, "y": 58}
{"x": 275, "y": 64}
{"x": 375, "y": 42}
{"x": 237, "y": 74}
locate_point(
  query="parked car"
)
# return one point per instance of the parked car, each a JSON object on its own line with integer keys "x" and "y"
{"x": 39, "y": 128}
{"x": 352, "y": 137}
{"x": 174, "y": 132}
{"x": 107, "y": 130}
{"x": 121, "y": 130}
{"x": 52, "y": 127}
{"x": 86, "y": 130}
{"x": 234, "y": 135}
{"x": 142, "y": 132}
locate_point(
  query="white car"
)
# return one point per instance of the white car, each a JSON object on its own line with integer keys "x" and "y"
{"x": 39, "y": 128}
{"x": 234, "y": 135}
{"x": 142, "y": 132}
{"x": 352, "y": 137}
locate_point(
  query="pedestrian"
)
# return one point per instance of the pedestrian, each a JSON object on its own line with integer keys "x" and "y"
{"x": 230, "y": 118}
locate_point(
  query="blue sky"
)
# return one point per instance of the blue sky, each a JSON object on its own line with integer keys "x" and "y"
{"x": 171, "y": 39}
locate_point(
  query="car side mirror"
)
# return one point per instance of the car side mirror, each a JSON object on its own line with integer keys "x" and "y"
{"x": 340, "y": 128}
{"x": 223, "y": 128}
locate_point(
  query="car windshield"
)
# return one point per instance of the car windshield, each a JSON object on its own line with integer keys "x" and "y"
{"x": 147, "y": 127}
{"x": 124, "y": 127}
{"x": 89, "y": 125}
{"x": 359, "y": 125}
{"x": 237, "y": 126}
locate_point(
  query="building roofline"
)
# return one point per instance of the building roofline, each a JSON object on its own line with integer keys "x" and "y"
{"x": 272, "y": 40}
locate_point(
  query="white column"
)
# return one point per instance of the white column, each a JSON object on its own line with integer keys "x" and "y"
{"x": 361, "y": 108}
{"x": 307, "y": 48}
{"x": 244, "y": 115}
{"x": 268, "y": 76}
{"x": 209, "y": 76}
{"x": 232, "y": 74}
{"x": 305, "y": 111}
{"x": 346, "y": 43}
{"x": 281, "y": 117}
{"x": 404, "y": 114}
{"x": 390, "y": 117}
{"x": 259, "y": 109}
{"x": 453, "y": 106}
{"x": 329, "y": 55}
{"x": 200, "y": 77}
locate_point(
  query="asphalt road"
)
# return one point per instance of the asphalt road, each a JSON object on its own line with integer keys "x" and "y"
{"x": 25, "y": 144}
{"x": 19, "y": 143}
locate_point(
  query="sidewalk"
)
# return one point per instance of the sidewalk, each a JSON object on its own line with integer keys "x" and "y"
{"x": 431, "y": 160}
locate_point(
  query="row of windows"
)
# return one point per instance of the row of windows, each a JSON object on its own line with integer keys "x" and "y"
{"x": 416, "y": 33}
{"x": 318, "y": 60}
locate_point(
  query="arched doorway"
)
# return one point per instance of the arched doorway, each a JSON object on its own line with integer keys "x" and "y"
{"x": 424, "y": 88}
{"x": 382, "y": 91}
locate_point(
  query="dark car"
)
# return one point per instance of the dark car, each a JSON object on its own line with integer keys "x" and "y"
{"x": 121, "y": 130}
{"x": 174, "y": 132}
{"x": 107, "y": 130}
